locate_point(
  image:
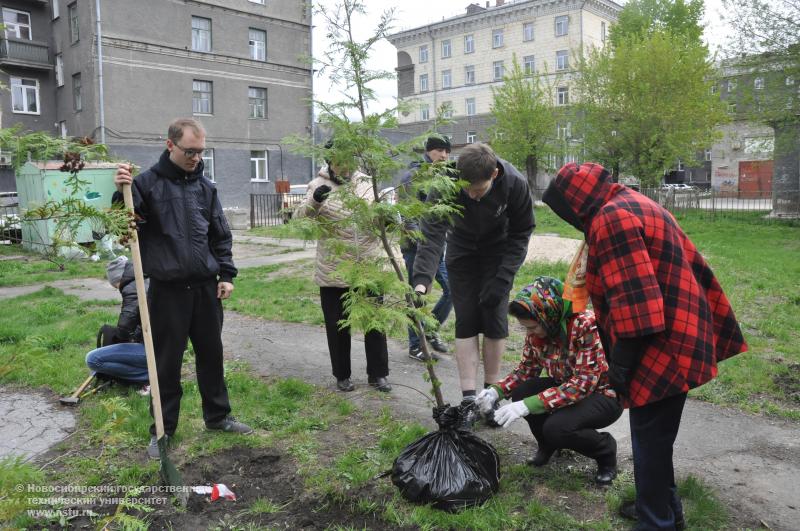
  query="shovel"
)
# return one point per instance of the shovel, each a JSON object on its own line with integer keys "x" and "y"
{"x": 169, "y": 474}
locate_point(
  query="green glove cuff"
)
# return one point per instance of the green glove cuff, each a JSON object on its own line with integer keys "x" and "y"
{"x": 535, "y": 405}
{"x": 499, "y": 390}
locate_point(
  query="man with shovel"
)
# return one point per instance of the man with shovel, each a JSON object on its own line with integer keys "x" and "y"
{"x": 186, "y": 252}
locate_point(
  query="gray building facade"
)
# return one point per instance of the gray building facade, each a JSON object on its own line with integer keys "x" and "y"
{"x": 237, "y": 66}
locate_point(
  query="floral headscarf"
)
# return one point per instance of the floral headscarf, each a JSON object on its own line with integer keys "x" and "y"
{"x": 543, "y": 298}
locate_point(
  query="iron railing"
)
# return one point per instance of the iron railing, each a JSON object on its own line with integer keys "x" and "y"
{"x": 269, "y": 210}
{"x": 25, "y": 53}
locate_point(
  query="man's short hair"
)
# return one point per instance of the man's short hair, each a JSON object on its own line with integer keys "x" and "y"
{"x": 476, "y": 163}
{"x": 175, "y": 131}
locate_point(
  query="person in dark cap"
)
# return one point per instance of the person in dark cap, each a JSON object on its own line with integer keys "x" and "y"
{"x": 486, "y": 245}
{"x": 662, "y": 316}
{"x": 437, "y": 149}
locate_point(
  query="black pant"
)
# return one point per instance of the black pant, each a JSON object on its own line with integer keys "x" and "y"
{"x": 573, "y": 427}
{"x": 654, "y": 428}
{"x": 188, "y": 311}
{"x": 339, "y": 338}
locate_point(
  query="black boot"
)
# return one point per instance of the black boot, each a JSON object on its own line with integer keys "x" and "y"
{"x": 542, "y": 457}
{"x": 606, "y": 461}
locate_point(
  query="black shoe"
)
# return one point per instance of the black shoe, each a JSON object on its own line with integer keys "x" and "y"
{"x": 469, "y": 414}
{"x": 345, "y": 385}
{"x": 542, "y": 457}
{"x": 380, "y": 384}
{"x": 152, "y": 448}
{"x": 230, "y": 425}
{"x": 628, "y": 510}
{"x": 605, "y": 475}
{"x": 417, "y": 354}
{"x": 436, "y": 342}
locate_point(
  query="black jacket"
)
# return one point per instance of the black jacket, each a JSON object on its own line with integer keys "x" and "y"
{"x": 128, "y": 325}
{"x": 183, "y": 232}
{"x": 410, "y": 225}
{"x": 501, "y": 222}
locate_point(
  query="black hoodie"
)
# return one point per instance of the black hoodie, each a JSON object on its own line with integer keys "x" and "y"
{"x": 183, "y": 232}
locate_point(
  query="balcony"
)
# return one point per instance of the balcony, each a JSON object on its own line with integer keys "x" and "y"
{"x": 25, "y": 53}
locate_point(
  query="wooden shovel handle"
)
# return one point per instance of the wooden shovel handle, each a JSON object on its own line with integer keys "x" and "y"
{"x": 144, "y": 315}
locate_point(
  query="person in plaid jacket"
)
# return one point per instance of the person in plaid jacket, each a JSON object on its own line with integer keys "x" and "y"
{"x": 662, "y": 315}
{"x": 565, "y": 408}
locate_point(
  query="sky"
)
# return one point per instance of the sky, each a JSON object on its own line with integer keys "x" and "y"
{"x": 413, "y": 13}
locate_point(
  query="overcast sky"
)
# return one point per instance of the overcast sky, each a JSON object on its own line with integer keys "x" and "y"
{"x": 413, "y": 13}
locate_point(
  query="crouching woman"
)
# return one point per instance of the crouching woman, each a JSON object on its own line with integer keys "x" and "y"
{"x": 565, "y": 408}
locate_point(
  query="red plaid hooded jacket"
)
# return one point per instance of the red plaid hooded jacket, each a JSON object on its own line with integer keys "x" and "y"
{"x": 646, "y": 278}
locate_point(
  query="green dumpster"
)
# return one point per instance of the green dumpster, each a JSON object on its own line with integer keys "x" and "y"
{"x": 40, "y": 182}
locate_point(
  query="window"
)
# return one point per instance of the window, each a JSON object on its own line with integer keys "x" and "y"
{"x": 470, "y": 105}
{"x": 258, "y": 44}
{"x": 562, "y": 24}
{"x": 17, "y": 24}
{"x": 202, "y": 97}
{"x": 423, "y": 54}
{"x": 258, "y": 166}
{"x": 423, "y": 83}
{"x": 62, "y": 128}
{"x": 424, "y": 113}
{"x": 74, "y": 33}
{"x": 208, "y": 164}
{"x": 446, "y": 49}
{"x": 563, "y": 130}
{"x": 24, "y": 95}
{"x": 732, "y": 85}
{"x": 258, "y": 102}
{"x": 497, "y": 38}
{"x": 562, "y": 60}
{"x": 707, "y": 155}
{"x": 59, "y": 70}
{"x": 789, "y": 81}
{"x": 56, "y": 13}
{"x": 527, "y": 31}
{"x": 497, "y": 68}
{"x": 713, "y": 88}
{"x": 447, "y": 79}
{"x": 447, "y": 109}
{"x": 77, "y": 101}
{"x": 469, "y": 43}
{"x": 732, "y": 107}
{"x": 603, "y": 32}
{"x": 469, "y": 75}
{"x": 201, "y": 34}
{"x": 758, "y": 83}
{"x": 562, "y": 96}
{"x": 472, "y": 136}
{"x": 529, "y": 65}
{"x": 260, "y": 2}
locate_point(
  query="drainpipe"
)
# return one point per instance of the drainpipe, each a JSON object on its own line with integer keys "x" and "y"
{"x": 100, "y": 73}
{"x": 433, "y": 67}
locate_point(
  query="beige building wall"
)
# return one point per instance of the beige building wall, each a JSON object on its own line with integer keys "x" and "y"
{"x": 587, "y": 25}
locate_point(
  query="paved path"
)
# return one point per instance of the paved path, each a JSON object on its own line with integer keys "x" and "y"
{"x": 752, "y": 461}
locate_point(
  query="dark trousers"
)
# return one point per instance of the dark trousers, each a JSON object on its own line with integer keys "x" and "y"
{"x": 654, "y": 428}
{"x": 188, "y": 311}
{"x": 443, "y": 305}
{"x": 339, "y": 338}
{"x": 573, "y": 427}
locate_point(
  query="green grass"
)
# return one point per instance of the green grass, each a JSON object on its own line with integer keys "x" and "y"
{"x": 33, "y": 269}
{"x": 291, "y": 230}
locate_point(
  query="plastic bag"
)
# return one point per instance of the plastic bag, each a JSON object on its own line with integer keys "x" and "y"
{"x": 450, "y": 468}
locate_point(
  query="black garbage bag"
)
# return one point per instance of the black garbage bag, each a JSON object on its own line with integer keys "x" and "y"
{"x": 450, "y": 468}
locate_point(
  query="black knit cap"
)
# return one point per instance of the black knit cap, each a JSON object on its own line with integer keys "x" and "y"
{"x": 437, "y": 142}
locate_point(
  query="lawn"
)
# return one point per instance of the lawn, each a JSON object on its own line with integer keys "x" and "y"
{"x": 316, "y": 457}
{"x": 18, "y": 267}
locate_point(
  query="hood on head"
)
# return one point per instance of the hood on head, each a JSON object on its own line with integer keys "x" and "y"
{"x": 578, "y": 192}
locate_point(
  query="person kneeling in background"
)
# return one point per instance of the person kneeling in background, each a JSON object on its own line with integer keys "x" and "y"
{"x": 565, "y": 408}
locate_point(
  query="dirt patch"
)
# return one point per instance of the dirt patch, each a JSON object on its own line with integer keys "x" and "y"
{"x": 789, "y": 382}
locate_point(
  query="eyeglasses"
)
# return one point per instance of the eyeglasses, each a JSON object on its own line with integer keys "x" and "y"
{"x": 190, "y": 152}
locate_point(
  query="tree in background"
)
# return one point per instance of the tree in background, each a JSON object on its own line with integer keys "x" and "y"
{"x": 525, "y": 120}
{"x": 646, "y": 100}
{"x": 766, "y": 45}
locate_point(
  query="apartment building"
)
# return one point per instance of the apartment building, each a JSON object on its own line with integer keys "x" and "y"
{"x": 119, "y": 71}
{"x": 457, "y": 61}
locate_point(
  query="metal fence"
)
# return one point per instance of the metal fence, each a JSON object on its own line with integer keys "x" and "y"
{"x": 10, "y": 225}
{"x": 269, "y": 210}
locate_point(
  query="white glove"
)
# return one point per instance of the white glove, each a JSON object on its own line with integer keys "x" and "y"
{"x": 510, "y": 412}
{"x": 486, "y": 399}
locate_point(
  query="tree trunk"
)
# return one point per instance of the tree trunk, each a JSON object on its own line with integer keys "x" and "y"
{"x": 532, "y": 168}
{"x": 786, "y": 171}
